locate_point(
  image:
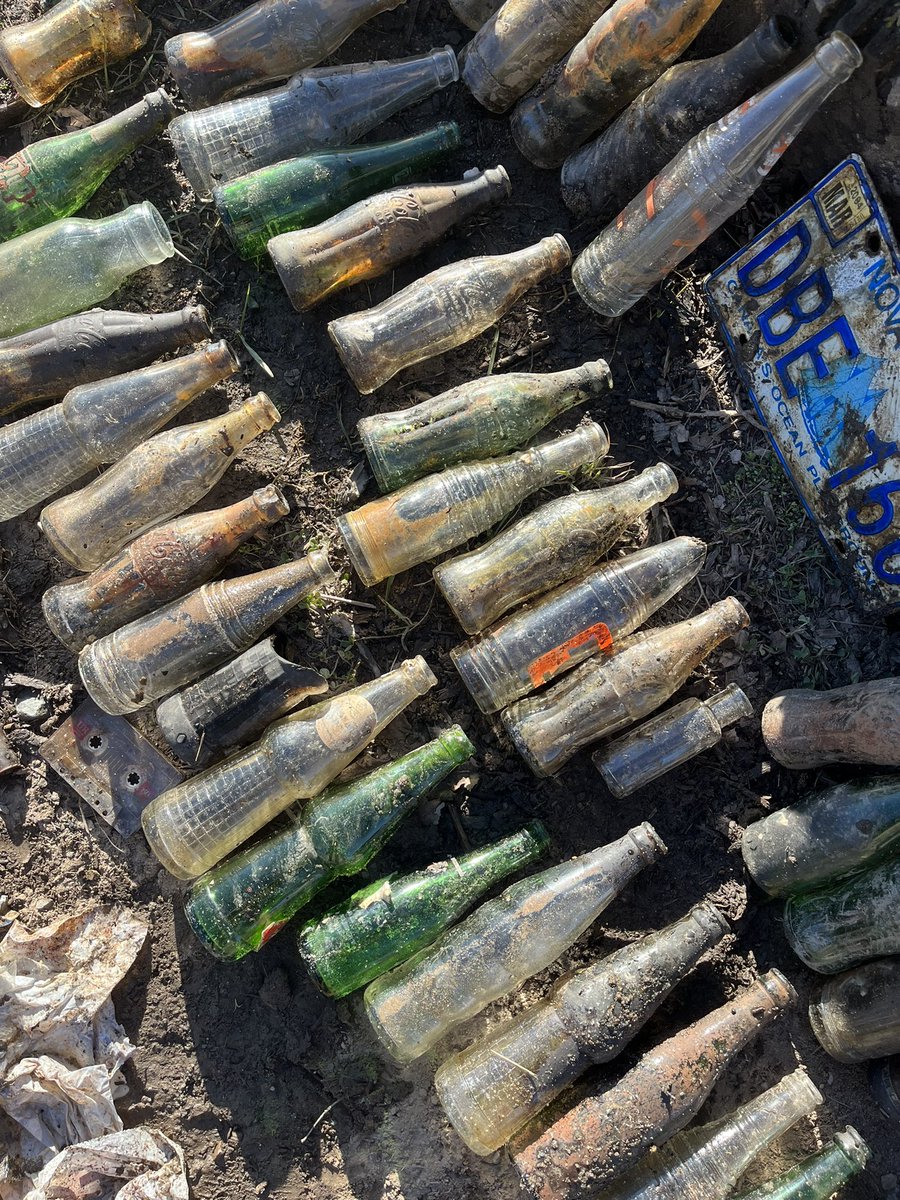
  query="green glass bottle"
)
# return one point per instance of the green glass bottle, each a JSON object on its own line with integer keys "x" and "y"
{"x": 55, "y": 177}
{"x": 385, "y": 923}
{"x": 241, "y": 904}
{"x": 820, "y": 1175}
{"x": 304, "y": 191}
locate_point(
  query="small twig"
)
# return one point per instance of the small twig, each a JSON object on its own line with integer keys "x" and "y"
{"x": 320, "y": 1118}
{"x": 512, "y": 1062}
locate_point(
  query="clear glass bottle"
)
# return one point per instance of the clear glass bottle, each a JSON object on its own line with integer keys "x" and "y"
{"x": 819, "y": 1176}
{"x": 860, "y": 723}
{"x": 857, "y": 1015}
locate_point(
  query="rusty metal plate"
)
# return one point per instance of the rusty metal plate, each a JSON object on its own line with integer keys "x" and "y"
{"x": 109, "y": 764}
{"x": 811, "y": 314}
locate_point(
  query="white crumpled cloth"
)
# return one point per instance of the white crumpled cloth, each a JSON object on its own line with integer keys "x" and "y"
{"x": 137, "y": 1164}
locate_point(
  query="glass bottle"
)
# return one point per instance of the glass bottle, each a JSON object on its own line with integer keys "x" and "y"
{"x": 98, "y": 423}
{"x": 71, "y": 39}
{"x": 390, "y": 920}
{"x": 626, "y": 49}
{"x": 554, "y": 543}
{"x": 161, "y": 565}
{"x": 857, "y": 1015}
{"x": 476, "y": 420}
{"x": 602, "y": 176}
{"x": 474, "y": 13}
{"x": 47, "y": 362}
{"x": 825, "y": 835}
{"x": 604, "y": 695}
{"x": 53, "y": 178}
{"x": 441, "y": 310}
{"x": 491, "y": 1089}
{"x": 432, "y": 515}
{"x": 669, "y": 740}
{"x": 706, "y": 183}
{"x": 820, "y": 1175}
{"x": 501, "y": 944}
{"x": 378, "y": 233}
{"x": 326, "y": 106}
{"x": 242, "y": 903}
{"x": 598, "y": 1139}
{"x": 193, "y": 826}
{"x": 305, "y": 191}
{"x": 538, "y": 643}
{"x": 69, "y": 265}
{"x": 803, "y": 729}
{"x": 883, "y": 1077}
{"x": 269, "y": 40}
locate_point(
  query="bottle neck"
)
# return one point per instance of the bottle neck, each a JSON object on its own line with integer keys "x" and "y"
{"x": 483, "y": 868}
{"x": 244, "y": 518}
{"x": 387, "y": 158}
{"x": 585, "y": 446}
{"x": 244, "y": 607}
{"x": 767, "y": 46}
{"x": 744, "y": 1135}
{"x": 119, "y": 134}
{"x": 134, "y": 238}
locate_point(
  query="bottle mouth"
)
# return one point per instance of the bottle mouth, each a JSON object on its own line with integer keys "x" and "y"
{"x": 196, "y": 319}
{"x": 711, "y": 919}
{"x": 162, "y": 103}
{"x": 322, "y": 569}
{"x": 779, "y": 987}
{"x": 457, "y": 742}
{"x": 447, "y": 65}
{"x": 149, "y": 233}
{"x": 648, "y": 841}
{"x": 419, "y": 674}
{"x": 780, "y": 37}
{"x": 272, "y": 502}
{"x": 264, "y": 411}
{"x": 838, "y": 56}
{"x": 559, "y": 250}
{"x": 665, "y": 477}
{"x": 221, "y": 356}
{"x": 853, "y": 1145}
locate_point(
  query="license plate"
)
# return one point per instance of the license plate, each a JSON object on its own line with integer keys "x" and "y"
{"x": 810, "y": 310}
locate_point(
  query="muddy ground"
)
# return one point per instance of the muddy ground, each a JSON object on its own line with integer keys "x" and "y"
{"x": 272, "y": 1089}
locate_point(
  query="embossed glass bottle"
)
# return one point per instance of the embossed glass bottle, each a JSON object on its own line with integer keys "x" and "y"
{"x": 857, "y": 1015}
{"x": 859, "y": 723}
{"x": 819, "y": 1176}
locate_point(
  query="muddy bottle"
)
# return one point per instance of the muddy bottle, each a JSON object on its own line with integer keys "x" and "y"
{"x": 493, "y": 1087}
{"x": 819, "y": 1176}
{"x": 441, "y": 310}
{"x": 669, "y": 740}
{"x": 826, "y": 835}
{"x": 600, "y": 178}
{"x": 706, "y": 183}
{"x": 235, "y": 704}
{"x": 70, "y": 265}
{"x": 72, "y": 39}
{"x": 474, "y": 13}
{"x": 98, "y": 423}
{"x": 538, "y": 643}
{"x": 55, "y": 177}
{"x": 305, "y": 191}
{"x": 194, "y": 825}
{"x": 241, "y": 904}
{"x": 556, "y": 542}
{"x": 269, "y": 40}
{"x": 516, "y": 45}
{"x": 326, "y": 106}
{"x": 161, "y": 565}
{"x": 501, "y": 944}
{"x": 598, "y": 1140}
{"x": 154, "y": 482}
{"x": 47, "y": 362}
{"x": 433, "y": 515}
{"x": 604, "y": 695}
{"x": 475, "y": 420}
{"x": 857, "y": 1015}
{"x": 856, "y": 724}
{"x": 376, "y": 234}
{"x": 625, "y": 50}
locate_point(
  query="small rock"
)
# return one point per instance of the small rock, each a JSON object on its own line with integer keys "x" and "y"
{"x": 32, "y": 708}
{"x": 43, "y": 904}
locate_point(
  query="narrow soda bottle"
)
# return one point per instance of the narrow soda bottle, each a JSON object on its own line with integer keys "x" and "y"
{"x": 493, "y": 1087}
{"x": 69, "y": 265}
{"x": 376, "y": 234}
{"x": 269, "y": 40}
{"x": 441, "y": 310}
{"x": 850, "y": 922}
{"x": 826, "y": 835}
{"x": 45, "y": 363}
{"x": 604, "y": 695}
{"x": 55, "y": 177}
{"x": 501, "y": 944}
{"x": 628, "y": 47}
{"x": 598, "y": 1140}
{"x": 602, "y": 176}
{"x": 706, "y": 183}
{"x": 857, "y": 1015}
{"x": 235, "y": 704}
{"x": 241, "y": 904}
{"x": 426, "y": 518}
{"x": 154, "y": 482}
{"x": 390, "y": 920}
{"x": 161, "y": 565}
{"x": 71, "y": 39}
{"x": 538, "y": 643}
{"x": 819, "y": 1176}
{"x": 176, "y": 644}
{"x": 856, "y": 724}
{"x": 305, "y": 191}
{"x": 669, "y": 740}
{"x": 98, "y": 423}
{"x": 326, "y": 106}
{"x": 475, "y": 420}
{"x": 193, "y": 826}
{"x": 474, "y": 13}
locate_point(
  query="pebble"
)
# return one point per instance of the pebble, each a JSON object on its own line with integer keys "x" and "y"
{"x": 32, "y": 708}
{"x": 43, "y": 904}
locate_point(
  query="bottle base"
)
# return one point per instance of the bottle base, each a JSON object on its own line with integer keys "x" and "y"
{"x": 445, "y": 1082}
{"x": 359, "y": 559}
{"x": 397, "y": 1052}
{"x": 224, "y": 951}
{"x": 357, "y": 359}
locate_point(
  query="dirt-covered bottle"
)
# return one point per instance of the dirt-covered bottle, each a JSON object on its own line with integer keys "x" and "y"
{"x": 474, "y": 13}
{"x": 857, "y": 1015}
{"x": 859, "y": 723}
{"x": 821, "y": 1175}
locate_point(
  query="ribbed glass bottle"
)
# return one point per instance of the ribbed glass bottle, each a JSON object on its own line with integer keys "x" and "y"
{"x": 819, "y": 1176}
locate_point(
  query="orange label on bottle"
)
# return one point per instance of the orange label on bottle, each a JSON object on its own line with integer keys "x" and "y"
{"x": 549, "y": 664}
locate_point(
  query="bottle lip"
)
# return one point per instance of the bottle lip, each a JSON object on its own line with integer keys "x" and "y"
{"x": 149, "y": 233}
{"x": 778, "y": 36}
{"x": 710, "y": 918}
{"x": 779, "y": 987}
{"x": 162, "y": 102}
{"x": 455, "y": 739}
{"x": 802, "y": 1089}
{"x": 263, "y": 409}
{"x": 223, "y": 357}
{"x": 196, "y": 318}
{"x": 838, "y": 56}
{"x": 271, "y": 501}
{"x": 559, "y": 250}
{"x": 419, "y": 673}
{"x": 735, "y": 610}
{"x": 730, "y": 705}
{"x": 854, "y": 1145}
{"x": 499, "y": 177}
{"x": 648, "y": 841}
{"x": 321, "y": 568}
{"x": 664, "y": 475}
{"x": 444, "y": 58}
{"x": 363, "y": 551}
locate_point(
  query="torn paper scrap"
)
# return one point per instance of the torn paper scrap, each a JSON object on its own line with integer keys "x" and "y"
{"x": 137, "y": 1164}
